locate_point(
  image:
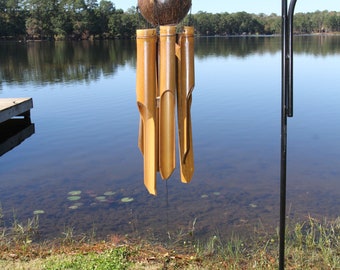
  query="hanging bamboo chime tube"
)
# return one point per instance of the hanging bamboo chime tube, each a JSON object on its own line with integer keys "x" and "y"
{"x": 146, "y": 85}
{"x": 185, "y": 86}
{"x": 165, "y": 71}
{"x": 167, "y": 88}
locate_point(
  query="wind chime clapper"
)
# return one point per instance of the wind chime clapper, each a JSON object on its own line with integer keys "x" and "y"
{"x": 165, "y": 77}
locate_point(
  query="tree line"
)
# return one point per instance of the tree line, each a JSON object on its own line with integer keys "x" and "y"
{"x": 92, "y": 19}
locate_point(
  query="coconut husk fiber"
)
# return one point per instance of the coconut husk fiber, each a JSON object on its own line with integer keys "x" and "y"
{"x": 164, "y": 12}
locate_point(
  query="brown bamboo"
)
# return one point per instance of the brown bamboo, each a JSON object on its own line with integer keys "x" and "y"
{"x": 185, "y": 86}
{"x": 146, "y": 101}
{"x": 167, "y": 88}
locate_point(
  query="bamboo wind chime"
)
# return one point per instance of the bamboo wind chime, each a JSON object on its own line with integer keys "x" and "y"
{"x": 165, "y": 74}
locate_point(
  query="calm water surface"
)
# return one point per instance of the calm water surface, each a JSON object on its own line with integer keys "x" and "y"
{"x": 86, "y": 125}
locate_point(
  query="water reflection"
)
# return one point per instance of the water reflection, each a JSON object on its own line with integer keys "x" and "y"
{"x": 13, "y": 132}
{"x": 246, "y": 46}
{"x": 238, "y": 47}
{"x": 60, "y": 62}
{"x": 47, "y": 62}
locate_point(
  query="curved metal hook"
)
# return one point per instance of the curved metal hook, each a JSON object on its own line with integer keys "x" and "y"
{"x": 290, "y": 57}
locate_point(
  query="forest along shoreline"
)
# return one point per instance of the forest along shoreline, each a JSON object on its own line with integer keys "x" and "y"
{"x": 24, "y": 20}
{"x": 24, "y": 39}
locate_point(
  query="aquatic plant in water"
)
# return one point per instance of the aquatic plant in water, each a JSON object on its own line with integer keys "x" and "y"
{"x": 74, "y": 193}
{"x": 109, "y": 193}
{"x": 127, "y": 199}
{"x": 101, "y": 198}
{"x": 38, "y": 212}
{"x": 73, "y": 198}
{"x": 75, "y": 205}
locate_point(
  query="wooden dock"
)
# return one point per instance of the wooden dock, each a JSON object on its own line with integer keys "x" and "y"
{"x": 13, "y": 107}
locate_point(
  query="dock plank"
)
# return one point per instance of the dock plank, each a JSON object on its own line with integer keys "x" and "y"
{"x": 11, "y": 107}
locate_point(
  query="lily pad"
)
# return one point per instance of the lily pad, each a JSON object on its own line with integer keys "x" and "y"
{"x": 38, "y": 212}
{"x": 217, "y": 193}
{"x": 73, "y": 207}
{"x": 253, "y": 205}
{"x": 127, "y": 199}
{"x": 73, "y": 198}
{"x": 74, "y": 193}
{"x": 109, "y": 193}
{"x": 204, "y": 196}
{"x": 101, "y": 198}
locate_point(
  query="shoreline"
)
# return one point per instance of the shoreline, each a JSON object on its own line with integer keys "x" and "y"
{"x": 24, "y": 40}
{"x": 312, "y": 244}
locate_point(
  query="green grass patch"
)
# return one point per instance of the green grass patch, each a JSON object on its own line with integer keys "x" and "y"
{"x": 112, "y": 259}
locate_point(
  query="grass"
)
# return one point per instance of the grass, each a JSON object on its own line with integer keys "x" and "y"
{"x": 312, "y": 244}
{"x": 116, "y": 258}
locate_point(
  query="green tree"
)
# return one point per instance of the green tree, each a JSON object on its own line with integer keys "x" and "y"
{"x": 129, "y": 23}
{"x": 82, "y": 19}
{"x": 115, "y": 23}
{"x": 271, "y": 23}
{"x": 318, "y": 21}
{"x": 12, "y": 18}
{"x": 203, "y": 23}
{"x": 303, "y": 23}
{"x": 247, "y": 23}
{"x": 38, "y": 23}
{"x": 333, "y": 21}
{"x": 105, "y": 10}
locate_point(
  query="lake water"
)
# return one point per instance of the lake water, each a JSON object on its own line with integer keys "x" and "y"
{"x": 86, "y": 127}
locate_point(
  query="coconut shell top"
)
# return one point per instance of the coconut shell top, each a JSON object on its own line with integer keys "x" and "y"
{"x": 163, "y": 12}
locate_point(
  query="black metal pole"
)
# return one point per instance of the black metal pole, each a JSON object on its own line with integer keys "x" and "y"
{"x": 283, "y": 165}
{"x": 286, "y": 111}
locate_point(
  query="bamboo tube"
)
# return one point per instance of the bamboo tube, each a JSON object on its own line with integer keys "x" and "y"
{"x": 185, "y": 86}
{"x": 167, "y": 88}
{"x": 146, "y": 101}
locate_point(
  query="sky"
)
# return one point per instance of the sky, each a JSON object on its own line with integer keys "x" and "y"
{"x": 250, "y": 6}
